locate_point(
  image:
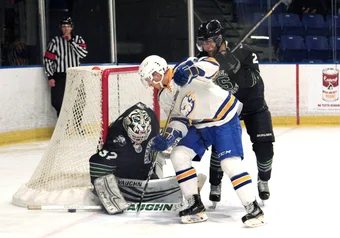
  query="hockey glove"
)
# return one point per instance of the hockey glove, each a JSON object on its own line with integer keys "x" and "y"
{"x": 185, "y": 73}
{"x": 161, "y": 143}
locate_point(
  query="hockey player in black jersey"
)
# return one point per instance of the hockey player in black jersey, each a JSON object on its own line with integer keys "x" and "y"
{"x": 124, "y": 150}
{"x": 119, "y": 169}
{"x": 240, "y": 74}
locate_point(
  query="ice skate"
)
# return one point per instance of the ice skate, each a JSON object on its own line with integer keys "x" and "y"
{"x": 195, "y": 212}
{"x": 254, "y": 217}
{"x": 215, "y": 195}
{"x": 263, "y": 189}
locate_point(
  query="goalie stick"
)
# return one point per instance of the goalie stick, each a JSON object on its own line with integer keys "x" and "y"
{"x": 149, "y": 207}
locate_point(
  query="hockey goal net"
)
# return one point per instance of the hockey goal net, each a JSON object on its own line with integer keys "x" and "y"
{"x": 93, "y": 99}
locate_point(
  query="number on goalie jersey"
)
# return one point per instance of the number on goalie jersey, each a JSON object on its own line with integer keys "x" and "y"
{"x": 124, "y": 150}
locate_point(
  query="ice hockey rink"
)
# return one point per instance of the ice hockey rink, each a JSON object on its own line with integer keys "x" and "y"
{"x": 304, "y": 196}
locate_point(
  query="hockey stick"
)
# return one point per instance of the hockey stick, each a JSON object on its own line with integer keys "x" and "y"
{"x": 154, "y": 156}
{"x": 62, "y": 208}
{"x": 150, "y": 207}
{"x": 286, "y": 2}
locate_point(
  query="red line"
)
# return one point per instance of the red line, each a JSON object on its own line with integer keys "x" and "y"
{"x": 297, "y": 95}
{"x": 105, "y": 103}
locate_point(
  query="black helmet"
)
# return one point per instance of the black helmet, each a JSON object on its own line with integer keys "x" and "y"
{"x": 209, "y": 30}
{"x": 66, "y": 21}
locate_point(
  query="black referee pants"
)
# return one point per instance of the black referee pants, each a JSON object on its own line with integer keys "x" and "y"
{"x": 57, "y": 92}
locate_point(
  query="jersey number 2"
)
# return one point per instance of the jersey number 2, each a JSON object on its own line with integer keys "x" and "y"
{"x": 255, "y": 60}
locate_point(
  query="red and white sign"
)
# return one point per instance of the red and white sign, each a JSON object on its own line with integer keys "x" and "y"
{"x": 324, "y": 93}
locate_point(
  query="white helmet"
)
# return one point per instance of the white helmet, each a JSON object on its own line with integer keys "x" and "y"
{"x": 151, "y": 64}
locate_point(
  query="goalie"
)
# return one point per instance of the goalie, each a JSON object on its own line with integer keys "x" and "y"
{"x": 119, "y": 169}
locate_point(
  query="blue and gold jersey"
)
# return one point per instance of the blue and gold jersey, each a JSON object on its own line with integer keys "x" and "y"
{"x": 201, "y": 103}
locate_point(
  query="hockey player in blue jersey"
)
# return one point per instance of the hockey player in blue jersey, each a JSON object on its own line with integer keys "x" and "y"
{"x": 203, "y": 115}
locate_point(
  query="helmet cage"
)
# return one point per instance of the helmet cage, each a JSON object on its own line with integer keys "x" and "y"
{"x": 137, "y": 125}
{"x": 216, "y": 39}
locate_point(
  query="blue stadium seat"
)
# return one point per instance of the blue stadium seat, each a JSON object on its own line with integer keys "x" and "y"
{"x": 263, "y": 29}
{"x": 314, "y": 25}
{"x": 318, "y": 47}
{"x": 291, "y": 24}
{"x": 334, "y": 18}
{"x": 292, "y": 49}
{"x": 333, "y": 23}
{"x": 334, "y": 43}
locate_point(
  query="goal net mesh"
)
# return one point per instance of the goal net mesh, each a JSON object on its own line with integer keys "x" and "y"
{"x": 93, "y": 99}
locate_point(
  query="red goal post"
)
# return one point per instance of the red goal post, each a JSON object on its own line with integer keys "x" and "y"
{"x": 105, "y": 94}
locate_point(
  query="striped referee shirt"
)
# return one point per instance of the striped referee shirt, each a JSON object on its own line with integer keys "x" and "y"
{"x": 62, "y": 54}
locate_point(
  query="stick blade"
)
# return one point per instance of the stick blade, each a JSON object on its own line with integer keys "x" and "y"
{"x": 34, "y": 207}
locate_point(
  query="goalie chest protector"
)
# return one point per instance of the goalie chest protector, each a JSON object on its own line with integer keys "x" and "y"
{"x": 129, "y": 161}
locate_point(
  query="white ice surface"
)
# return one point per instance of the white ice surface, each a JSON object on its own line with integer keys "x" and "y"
{"x": 304, "y": 197}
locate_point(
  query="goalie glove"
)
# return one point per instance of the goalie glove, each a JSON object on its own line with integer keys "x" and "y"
{"x": 161, "y": 143}
{"x": 185, "y": 72}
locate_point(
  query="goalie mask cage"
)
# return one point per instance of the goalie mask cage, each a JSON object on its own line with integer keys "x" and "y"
{"x": 93, "y": 99}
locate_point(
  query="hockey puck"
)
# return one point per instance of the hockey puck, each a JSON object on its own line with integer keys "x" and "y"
{"x": 71, "y": 210}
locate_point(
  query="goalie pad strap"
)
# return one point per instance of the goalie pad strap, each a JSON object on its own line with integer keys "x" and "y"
{"x": 109, "y": 194}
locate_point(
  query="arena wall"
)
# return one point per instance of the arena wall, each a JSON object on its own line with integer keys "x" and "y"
{"x": 294, "y": 93}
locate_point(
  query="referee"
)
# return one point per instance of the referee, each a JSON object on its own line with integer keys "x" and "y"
{"x": 63, "y": 51}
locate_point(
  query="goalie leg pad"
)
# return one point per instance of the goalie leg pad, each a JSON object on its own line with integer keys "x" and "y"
{"x": 109, "y": 194}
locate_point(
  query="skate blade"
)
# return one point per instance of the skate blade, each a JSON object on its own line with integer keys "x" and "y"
{"x": 261, "y": 202}
{"x": 213, "y": 205}
{"x": 255, "y": 222}
{"x": 199, "y": 217}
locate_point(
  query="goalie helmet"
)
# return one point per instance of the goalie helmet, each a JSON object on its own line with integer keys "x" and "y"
{"x": 210, "y": 30}
{"x": 137, "y": 125}
{"x": 151, "y": 64}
